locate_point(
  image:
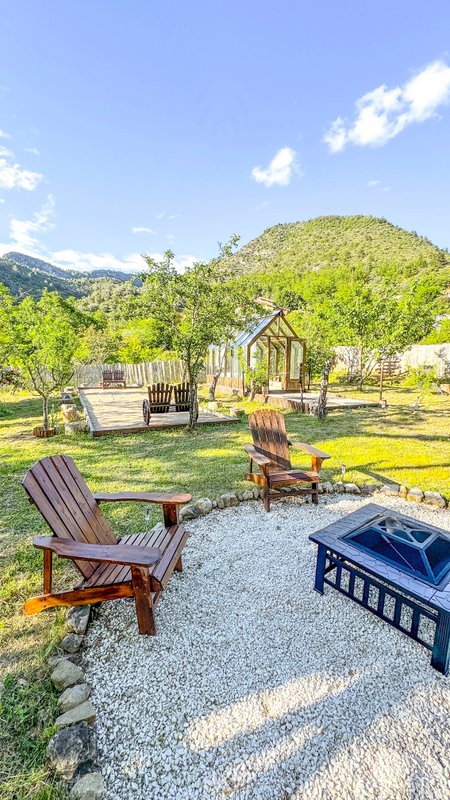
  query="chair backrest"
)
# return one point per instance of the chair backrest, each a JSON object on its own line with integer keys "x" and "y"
{"x": 159, "y": 395}
{"x": 118, "y": 375}
{"x": 107, "y": 376}
{"x": 182, "y": 392}
{"x": 60, "y": 494}
{"x": 269, "y": 435}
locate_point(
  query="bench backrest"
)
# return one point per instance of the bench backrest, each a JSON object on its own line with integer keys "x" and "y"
{"x": 159, "y": 395}
{"x": 182, "y": 392}
{"x": 269, "y": 435}
{"x": 57, "y": 489}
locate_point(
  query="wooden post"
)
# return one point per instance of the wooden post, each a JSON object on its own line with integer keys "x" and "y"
{"x": 140, "y": 577}
{"x": 47, "y": 571}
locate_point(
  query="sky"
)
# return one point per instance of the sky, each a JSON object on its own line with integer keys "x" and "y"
{"x": 136, "y": 126}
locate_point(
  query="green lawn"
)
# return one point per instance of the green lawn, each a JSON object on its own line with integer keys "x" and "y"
{"x": 397, "y": 444}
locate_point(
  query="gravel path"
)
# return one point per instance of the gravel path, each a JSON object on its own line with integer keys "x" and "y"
{"x": 258, "y": 687}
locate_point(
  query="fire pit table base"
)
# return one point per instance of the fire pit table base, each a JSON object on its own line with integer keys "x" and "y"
{"x": 402, "y": 600}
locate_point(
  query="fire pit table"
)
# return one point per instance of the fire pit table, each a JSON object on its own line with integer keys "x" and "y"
{"x": 394, "y": 566}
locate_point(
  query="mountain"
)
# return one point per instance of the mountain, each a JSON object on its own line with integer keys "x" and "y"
{"x": 24, "y": 274}
{"x": 299, "y": 247}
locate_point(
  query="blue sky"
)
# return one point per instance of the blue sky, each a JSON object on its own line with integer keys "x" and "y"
{"x": 130, "y": 127}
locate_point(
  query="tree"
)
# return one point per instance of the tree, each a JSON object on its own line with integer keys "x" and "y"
{"x": 6, "y": 329}
{"x": 194, "y": 309}
{"x": 46, "y": 336}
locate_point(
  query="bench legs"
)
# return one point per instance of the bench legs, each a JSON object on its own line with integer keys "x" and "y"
{"x": 143, "y": 599}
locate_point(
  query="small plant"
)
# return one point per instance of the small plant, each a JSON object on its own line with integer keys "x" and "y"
{"x": 422, "y": 379}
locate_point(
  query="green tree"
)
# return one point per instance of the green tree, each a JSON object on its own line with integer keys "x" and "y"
{"x": 46, "y": 336}
{"x": 194, "y": 310}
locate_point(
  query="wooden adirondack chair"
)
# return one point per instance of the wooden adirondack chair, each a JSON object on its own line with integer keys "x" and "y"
{"x": 158, "y": 402}
{"x": 270, "y": 451}
{"x": 181, "y": 392}
{"x": 138, "y": 565}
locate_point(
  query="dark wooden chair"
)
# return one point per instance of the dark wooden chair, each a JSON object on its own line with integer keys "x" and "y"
{"x": 139, "y": 565}
{"x": 270, "y": 451}
{"x": 181, "y": 392}
{"x": 114, "y": 377}
{"x": 159, "y": 396}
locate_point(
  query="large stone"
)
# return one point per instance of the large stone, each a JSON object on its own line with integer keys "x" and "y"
{"x": 72, "y": 428}
{"x": 66, "y": 674}
{"x": 188, "y": 512}
{"x": 230, "y": 499}
{"x": 72, "y": 748}
{"x": 236, "y": 412}
{"x": 203, "y": 506}
{"x": 256, "y": 492}
{"x": 89, "y": 787}
{"x": 213, "y": 405}
{"x": 338, "y": 487}
{"x": 403, "y": 491}
{"x": 415, "y": 494}
{"x": 70, "y": 413}
{"x": 352, "y": 488}
{"x": 391, "y": 489}
{"x": 73, "y": 696}
{"x": 220, "y": 503}
{"x": 326, "y": 487}
{"x": 247, "y": 495}
{"x": 77, "y": 619}
{"x": 434, "y": 499}
{"x": 72, "y": 642}
{"x": 85, "y": 712}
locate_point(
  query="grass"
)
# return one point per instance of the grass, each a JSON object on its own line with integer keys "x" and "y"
{"x": 398, "y": 444}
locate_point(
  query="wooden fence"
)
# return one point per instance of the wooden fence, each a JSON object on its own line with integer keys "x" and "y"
{"x": 135, "y": 374}
{"x": 419, "y": 355}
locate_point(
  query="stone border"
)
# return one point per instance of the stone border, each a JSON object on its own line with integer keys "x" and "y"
{"x": 205, "y": 505}
{"x": 72, "y": 750}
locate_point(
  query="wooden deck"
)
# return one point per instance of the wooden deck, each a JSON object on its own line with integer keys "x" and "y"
{"x": 292, "y": 400}
{"x": 120, "y": 411}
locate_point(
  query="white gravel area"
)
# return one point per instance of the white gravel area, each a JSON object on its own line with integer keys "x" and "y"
{"x": 258, "y": 687}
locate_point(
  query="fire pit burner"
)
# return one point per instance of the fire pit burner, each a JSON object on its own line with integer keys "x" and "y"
{"x": 394, "y": 566}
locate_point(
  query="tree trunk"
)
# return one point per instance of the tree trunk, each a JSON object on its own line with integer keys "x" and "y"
{"x": 193, "y": 405}
{"x": 213, "y": 386}
{"x": 45, "y": 411}
{"x": 322, "y": 402}
{"x": 381, "y": 379}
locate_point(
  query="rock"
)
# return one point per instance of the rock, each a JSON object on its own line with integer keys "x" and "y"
{"x": 434, "y": 499}
{"x": 203, "y": 506}
{"x": 220, "y": 503}
{"x": 72, "y": 428}
{"x": 70, "y": 414}
{"x": 403, "y": 491}
{"x": 351, "y": 488}
{"x": 72, "y": 748}
{"x": 391, "y": 489}
{"x": 77, "y": 619}
{"x": 338, "y": 487}
{"x": 72, "y": 642}
{"x": 214, "y": 503}
{"x": 256, "y": 492}
{"x": 188, "y": 512}
{"x": 85, "y": 712}
{"x": 213, "y": 405}
{"x": 415, "y": 494}
{"x": 235, "y": 412}
{"x": 247, "y": 495}
{"x": 66, "y": 674}
{"x": 89, "y": 787}
{"x": 52, "y": 661}
{"x": 240, "y": 496}
{"x": 73, "y": 696}
{"x": 369, "y": 488}
{"x": 230, "y": 499}
{"x": 326, "y": 487}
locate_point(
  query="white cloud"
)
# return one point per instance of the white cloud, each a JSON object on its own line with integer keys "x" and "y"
{"x": 262, "y": 205}
{"x": 32, "y": 150}
{"x": 383, "y": 113}
{"x": 24, "y": 233}
{"x": 279, "y": 171}
{"x": 85, "y": 262}
{"x": 4, "y": 135}
{"x": 373, "y": 183}
{"x": 141, "y": 229}
{"x": 13, "y": 176}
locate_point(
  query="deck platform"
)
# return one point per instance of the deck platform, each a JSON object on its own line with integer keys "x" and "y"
{"x": 292, "y": 400}
{"x": 111, "y": 411}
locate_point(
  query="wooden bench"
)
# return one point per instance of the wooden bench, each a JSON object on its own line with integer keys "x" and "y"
{"x": 182, "y": 396}
{"x": 270, "y": 451}
{"x": 115, "y": 377}
{"x": 159, "y": 396}
{"x": 139, "y": 565}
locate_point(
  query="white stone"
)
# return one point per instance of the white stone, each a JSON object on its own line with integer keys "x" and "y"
{"x": 204, "y": 505}
{"x": 415, "y": 494}
{"x": 85, "y": 712}
{"x": 89, "y": 787}
{"x": 72, "y": 428}
{"x": 73, "y": 696}
{"x": 66, "y": 674}
{"x": 434, "y": 499}
{"x": 352, "y": 488}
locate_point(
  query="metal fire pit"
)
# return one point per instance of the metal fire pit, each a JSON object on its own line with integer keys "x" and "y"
{"x": 394, "y": 566}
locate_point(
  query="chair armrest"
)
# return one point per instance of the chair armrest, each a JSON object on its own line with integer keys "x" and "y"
{"x": 108, "y": 553}
{"x": 308, "y": 448}
{"x": 162, "y": 498}
{"x": 258, "y": 458}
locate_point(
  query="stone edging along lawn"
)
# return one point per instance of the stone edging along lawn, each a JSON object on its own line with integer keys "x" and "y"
{"x": 72, "y": 749}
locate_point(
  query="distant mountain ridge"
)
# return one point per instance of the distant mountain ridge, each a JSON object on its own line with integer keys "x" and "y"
{"x": 24, "y": 274}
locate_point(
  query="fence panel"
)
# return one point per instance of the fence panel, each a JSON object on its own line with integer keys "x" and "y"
{"x": 135, "y": 374}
